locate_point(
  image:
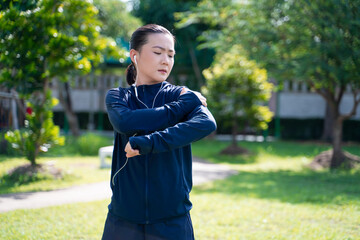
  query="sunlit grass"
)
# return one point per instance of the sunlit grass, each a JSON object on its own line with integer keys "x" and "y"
{"x": 221, "y": 216}
{"x": 77, "y": 159}
{"x": 266, "y": 155}
{"x": 77, "y": 170}
{"x": 273, "y": 196}
{"x": 70, "y": 221}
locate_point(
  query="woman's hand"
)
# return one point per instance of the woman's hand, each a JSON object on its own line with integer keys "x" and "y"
{"x": 199, "y": 95}
{"x": 131, "y": 152}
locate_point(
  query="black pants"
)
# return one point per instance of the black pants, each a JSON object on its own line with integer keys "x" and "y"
{"x": 179, "y": 228}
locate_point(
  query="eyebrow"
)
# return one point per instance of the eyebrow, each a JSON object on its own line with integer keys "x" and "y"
{"x": 170, "y": 50}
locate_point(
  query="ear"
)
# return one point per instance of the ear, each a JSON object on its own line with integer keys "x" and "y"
{"x": 133, "y": 52}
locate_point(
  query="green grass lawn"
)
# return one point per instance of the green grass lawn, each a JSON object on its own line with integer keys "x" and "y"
{"x": 273, "y": 196}
{"x": 77, "y": 159}
{"x": 78, "y": 170}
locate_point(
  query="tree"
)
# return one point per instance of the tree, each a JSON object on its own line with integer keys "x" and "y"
{"x": 238, "y": 89}
{"x": 116, "y": 22}
{"x": 41, "y": 40}
{"x": 312, "y": 41}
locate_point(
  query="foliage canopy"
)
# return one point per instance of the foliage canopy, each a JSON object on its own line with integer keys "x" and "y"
{"x": 45, "y": 39}
{"x": 238, "y": 88}
{"x": 317, "y": 42}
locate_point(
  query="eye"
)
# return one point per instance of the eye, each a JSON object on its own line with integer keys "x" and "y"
{"x": 157, "y": 53}
{"x": 171, "y": 56}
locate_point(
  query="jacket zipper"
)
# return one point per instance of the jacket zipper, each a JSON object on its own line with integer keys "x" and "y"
{"x": 146, "y": 190}
{"x": 147, "y": 163}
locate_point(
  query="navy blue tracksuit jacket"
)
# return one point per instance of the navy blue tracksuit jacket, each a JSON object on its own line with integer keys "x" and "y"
{"x": 161, "y": 124}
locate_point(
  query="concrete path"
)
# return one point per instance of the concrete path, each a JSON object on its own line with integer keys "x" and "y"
{"x": 202, "y": 172}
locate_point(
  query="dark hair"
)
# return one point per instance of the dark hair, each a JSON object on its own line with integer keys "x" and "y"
{"x": 138, "y": 39}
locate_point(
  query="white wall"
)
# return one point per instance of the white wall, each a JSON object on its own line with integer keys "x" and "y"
{"x": 298, "y": 102}
{"x": 295, "y": 101}
{"x": 87, "y": 93}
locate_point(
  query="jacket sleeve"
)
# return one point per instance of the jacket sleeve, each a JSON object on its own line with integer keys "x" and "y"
{"x": 127, "y": 121}
{"x": 200, "y": 123}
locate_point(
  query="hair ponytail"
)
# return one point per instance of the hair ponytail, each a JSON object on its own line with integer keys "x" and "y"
{"x": 131, "y": 74}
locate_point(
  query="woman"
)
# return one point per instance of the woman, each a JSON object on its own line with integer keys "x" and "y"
{"x": 155, "y": 123}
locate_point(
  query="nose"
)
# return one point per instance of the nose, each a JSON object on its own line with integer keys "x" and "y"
{"x": 165, "y": 60}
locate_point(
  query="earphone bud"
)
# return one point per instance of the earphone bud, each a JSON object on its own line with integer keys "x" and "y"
{"x": 136, "y": 94}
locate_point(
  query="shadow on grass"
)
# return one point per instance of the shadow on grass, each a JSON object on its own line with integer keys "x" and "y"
{"x": 292, "y": 187}
{"x": 7, "y": 185}
{"x": 209, "y": 149}
{"x": 287, "y": 149}
{"x": 4, "y": 158}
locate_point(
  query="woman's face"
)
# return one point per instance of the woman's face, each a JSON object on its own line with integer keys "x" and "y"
{"x": 155, "y": 59}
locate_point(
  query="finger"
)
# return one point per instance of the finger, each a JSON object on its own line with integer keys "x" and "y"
{"x": 203, "y": 101}
{"x": 184, "y": 90}
{"x": 202, "y": 97}
{"x": 132, "y": 153}
{"x": 127, "y": 147}
{"x": 135, "y": 151}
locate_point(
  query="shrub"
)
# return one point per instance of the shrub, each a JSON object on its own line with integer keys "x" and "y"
{"x": 39, "y": 133}
{"x": 89, "y": 143}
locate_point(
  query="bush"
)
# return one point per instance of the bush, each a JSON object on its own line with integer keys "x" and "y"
{"x": 89, "y": 144}
{"x": 5, "y": 147}
{"x": 39, "y": 133}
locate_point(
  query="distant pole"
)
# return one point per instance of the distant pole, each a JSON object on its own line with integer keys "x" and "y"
{"x": 14, "y": 111}
{"x": 277, "y": 115}
{"x": 101, "y": 87}
{"x": 91, "y": 124}
{"x": 66, "y": 125}
{"x": 265, "y": 134}
{"x": 100, "y": 121}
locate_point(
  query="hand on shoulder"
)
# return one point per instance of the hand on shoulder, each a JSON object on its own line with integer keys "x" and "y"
{"x": 198, "y": 94}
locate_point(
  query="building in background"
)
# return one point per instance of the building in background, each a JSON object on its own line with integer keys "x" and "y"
{"x": 300, "y": 112}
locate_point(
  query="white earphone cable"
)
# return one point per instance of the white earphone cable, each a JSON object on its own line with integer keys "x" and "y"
{"x": 127, "y": 160}
{"x": 153, "y": 104}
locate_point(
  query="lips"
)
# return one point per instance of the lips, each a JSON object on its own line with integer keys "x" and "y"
{"x": 163, "y": 71}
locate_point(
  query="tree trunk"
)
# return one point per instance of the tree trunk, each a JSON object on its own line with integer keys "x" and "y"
{"x": 32, "y": 160}
{"x": 195, "y": 64}
{"x": 328, "y": 124}
{"x": 31, "y": 154}
{"x": 65, "y": 99}
{"x": 338, "y": 158}
{"x": 234, "y": 131}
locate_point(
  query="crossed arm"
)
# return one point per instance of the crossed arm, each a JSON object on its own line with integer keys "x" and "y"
{"x": 199, "y": 124}
{"x": 127, "y": 121}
